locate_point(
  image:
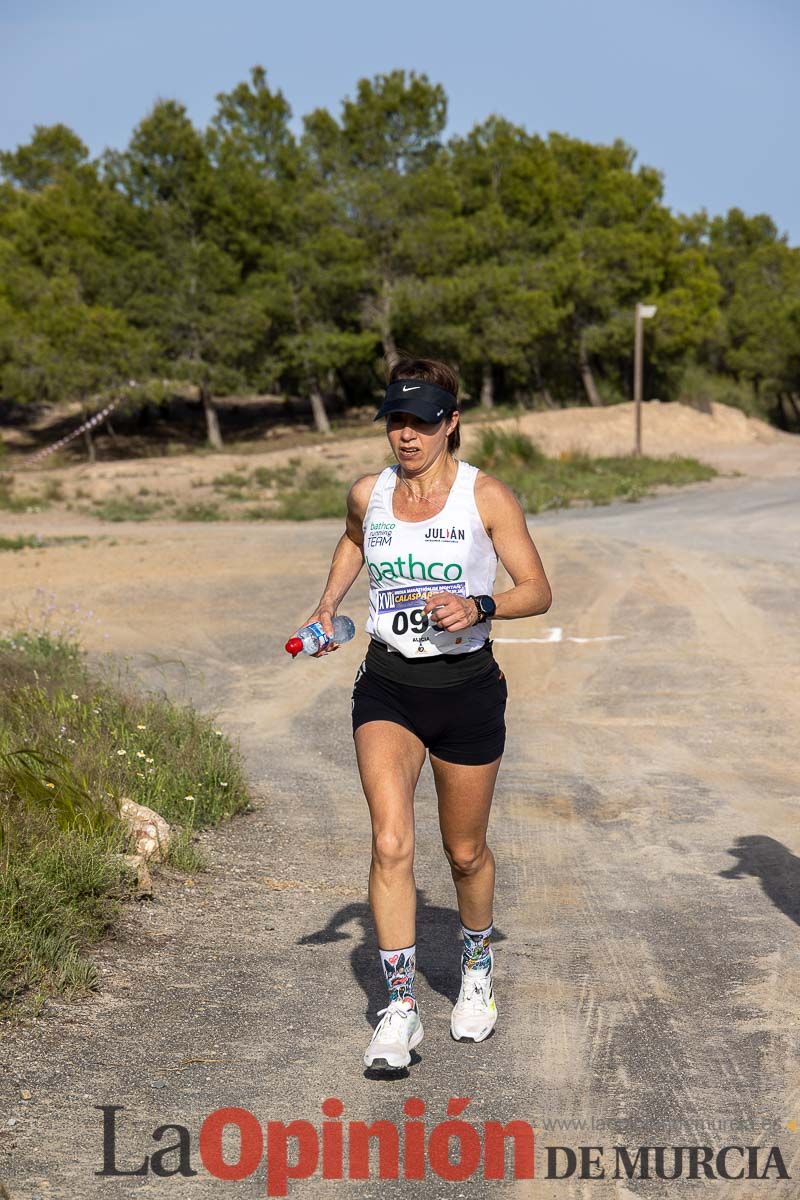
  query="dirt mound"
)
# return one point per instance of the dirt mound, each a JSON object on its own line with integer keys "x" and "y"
{"x": 666, "y": 429}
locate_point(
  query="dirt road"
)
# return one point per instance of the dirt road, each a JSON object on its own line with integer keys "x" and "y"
{"x": 645, "y": 829}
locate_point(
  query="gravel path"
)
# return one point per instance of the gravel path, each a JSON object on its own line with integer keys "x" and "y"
{"x": 645, "y": 828}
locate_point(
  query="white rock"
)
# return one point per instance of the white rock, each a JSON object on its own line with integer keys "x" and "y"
{"x": 150, "y": 833}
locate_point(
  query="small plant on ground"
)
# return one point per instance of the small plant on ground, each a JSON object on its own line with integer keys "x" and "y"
{"x": 198, "y": 512}
{"x": 126, "y": 508}
{"x": 12, "y": 501}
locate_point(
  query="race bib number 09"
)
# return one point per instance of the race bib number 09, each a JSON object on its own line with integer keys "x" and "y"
{"x": 413, "y": 619}
{"x": 401, "y": 620}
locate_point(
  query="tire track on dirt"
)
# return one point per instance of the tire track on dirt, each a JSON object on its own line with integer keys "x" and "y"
{"x": 636, "y": 980}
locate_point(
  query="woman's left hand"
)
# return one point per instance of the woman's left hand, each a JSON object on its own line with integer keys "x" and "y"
{"x": 451, "y": 612}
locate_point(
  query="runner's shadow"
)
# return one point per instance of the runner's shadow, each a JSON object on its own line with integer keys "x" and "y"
{"x": 438, "y": 949}
{"x": 775, "y": 865}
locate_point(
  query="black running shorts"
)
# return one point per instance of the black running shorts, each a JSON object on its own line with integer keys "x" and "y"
{"x": 460, "y": 724}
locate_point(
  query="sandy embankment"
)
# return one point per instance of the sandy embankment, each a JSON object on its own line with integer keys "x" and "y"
{"x": 725, "y": 437}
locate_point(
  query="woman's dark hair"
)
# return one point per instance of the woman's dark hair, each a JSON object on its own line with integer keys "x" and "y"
{"x": 432, "y": 371}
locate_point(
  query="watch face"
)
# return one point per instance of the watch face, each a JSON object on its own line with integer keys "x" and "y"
{"x": 487, "y": 605}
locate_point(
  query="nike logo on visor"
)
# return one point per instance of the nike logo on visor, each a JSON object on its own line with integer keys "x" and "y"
{"x": 414, "y": 389}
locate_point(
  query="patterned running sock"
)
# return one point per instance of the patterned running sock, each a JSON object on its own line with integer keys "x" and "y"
{"x": 398, "y": 968}
{"x": 475, "y": 955}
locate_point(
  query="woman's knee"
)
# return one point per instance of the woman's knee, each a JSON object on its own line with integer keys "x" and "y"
{"x": 467, "y": 858}
{"x": 392, "y": 849}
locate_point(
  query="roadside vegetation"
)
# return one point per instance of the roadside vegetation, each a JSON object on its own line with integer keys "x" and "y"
{"x": 541, "y": 482}
{"x": 73, "y": 741}
{"x": 296, "y": 491}
{"x": 289, "y": 492}
{"x": 36, "y": 542}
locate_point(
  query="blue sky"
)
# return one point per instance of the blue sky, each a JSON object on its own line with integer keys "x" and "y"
{"x": 707, "y": 92}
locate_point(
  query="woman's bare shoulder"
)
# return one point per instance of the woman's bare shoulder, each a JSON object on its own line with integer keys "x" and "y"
{"x": 360, "y": 492}
{"x": 493, "y": 490}
{"x": 489, "y": 483}
{"x": 495, "y": 500}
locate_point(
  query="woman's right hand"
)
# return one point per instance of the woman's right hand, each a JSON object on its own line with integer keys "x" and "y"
{"x": 325, "y": 617}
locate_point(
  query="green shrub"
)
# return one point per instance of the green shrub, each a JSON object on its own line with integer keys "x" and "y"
{"x": 26, "y": 541}
{"x": 126, "y": 508}
{"x": 231, "y": 479}
{"x": 320, "y": 493}
{"x": 73, "y": 742}
{"x": 10, "y": 502}
{"x": 506, "y": 449}
{"x": 276, "y": 477}
{"x": 198, "y": 512}
{"x": 19, "y": 543}
{"x": 699, "y": 387}
{"x": 543, "y": 483}
{"x": 53, "y": 490}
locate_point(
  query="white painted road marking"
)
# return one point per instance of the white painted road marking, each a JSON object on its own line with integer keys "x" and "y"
{"x": 556, "y": 634}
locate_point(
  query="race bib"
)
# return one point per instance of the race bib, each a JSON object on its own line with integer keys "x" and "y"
{"x": 402, "y": 624}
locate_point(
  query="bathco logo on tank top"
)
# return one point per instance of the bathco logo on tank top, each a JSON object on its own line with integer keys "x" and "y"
{"x": 408, "y": 561}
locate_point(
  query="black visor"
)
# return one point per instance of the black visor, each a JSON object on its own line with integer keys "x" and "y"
{"x": 425, "y": 400}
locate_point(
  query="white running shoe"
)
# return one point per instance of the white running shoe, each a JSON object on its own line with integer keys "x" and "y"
{"x": 475, "y": 1012}
{"x": 394, "y": 1037}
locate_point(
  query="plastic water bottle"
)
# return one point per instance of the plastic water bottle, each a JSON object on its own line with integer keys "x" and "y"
{"x": 313, "y": 637}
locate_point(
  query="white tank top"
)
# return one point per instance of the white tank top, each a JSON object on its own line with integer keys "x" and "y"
{"x": 409, "y": 560}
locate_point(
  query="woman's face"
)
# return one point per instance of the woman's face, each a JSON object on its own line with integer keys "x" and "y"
{"x": 417, "y": 443}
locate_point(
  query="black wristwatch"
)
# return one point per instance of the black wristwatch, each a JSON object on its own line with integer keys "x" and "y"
{"x": 486, "y": 607}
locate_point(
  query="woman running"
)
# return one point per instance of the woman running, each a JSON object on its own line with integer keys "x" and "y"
{"x": 431, "y": 530}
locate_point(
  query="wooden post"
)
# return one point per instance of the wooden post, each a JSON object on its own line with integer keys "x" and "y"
{"x": 637, "y": 379}
{"x": 643, "y": 313}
